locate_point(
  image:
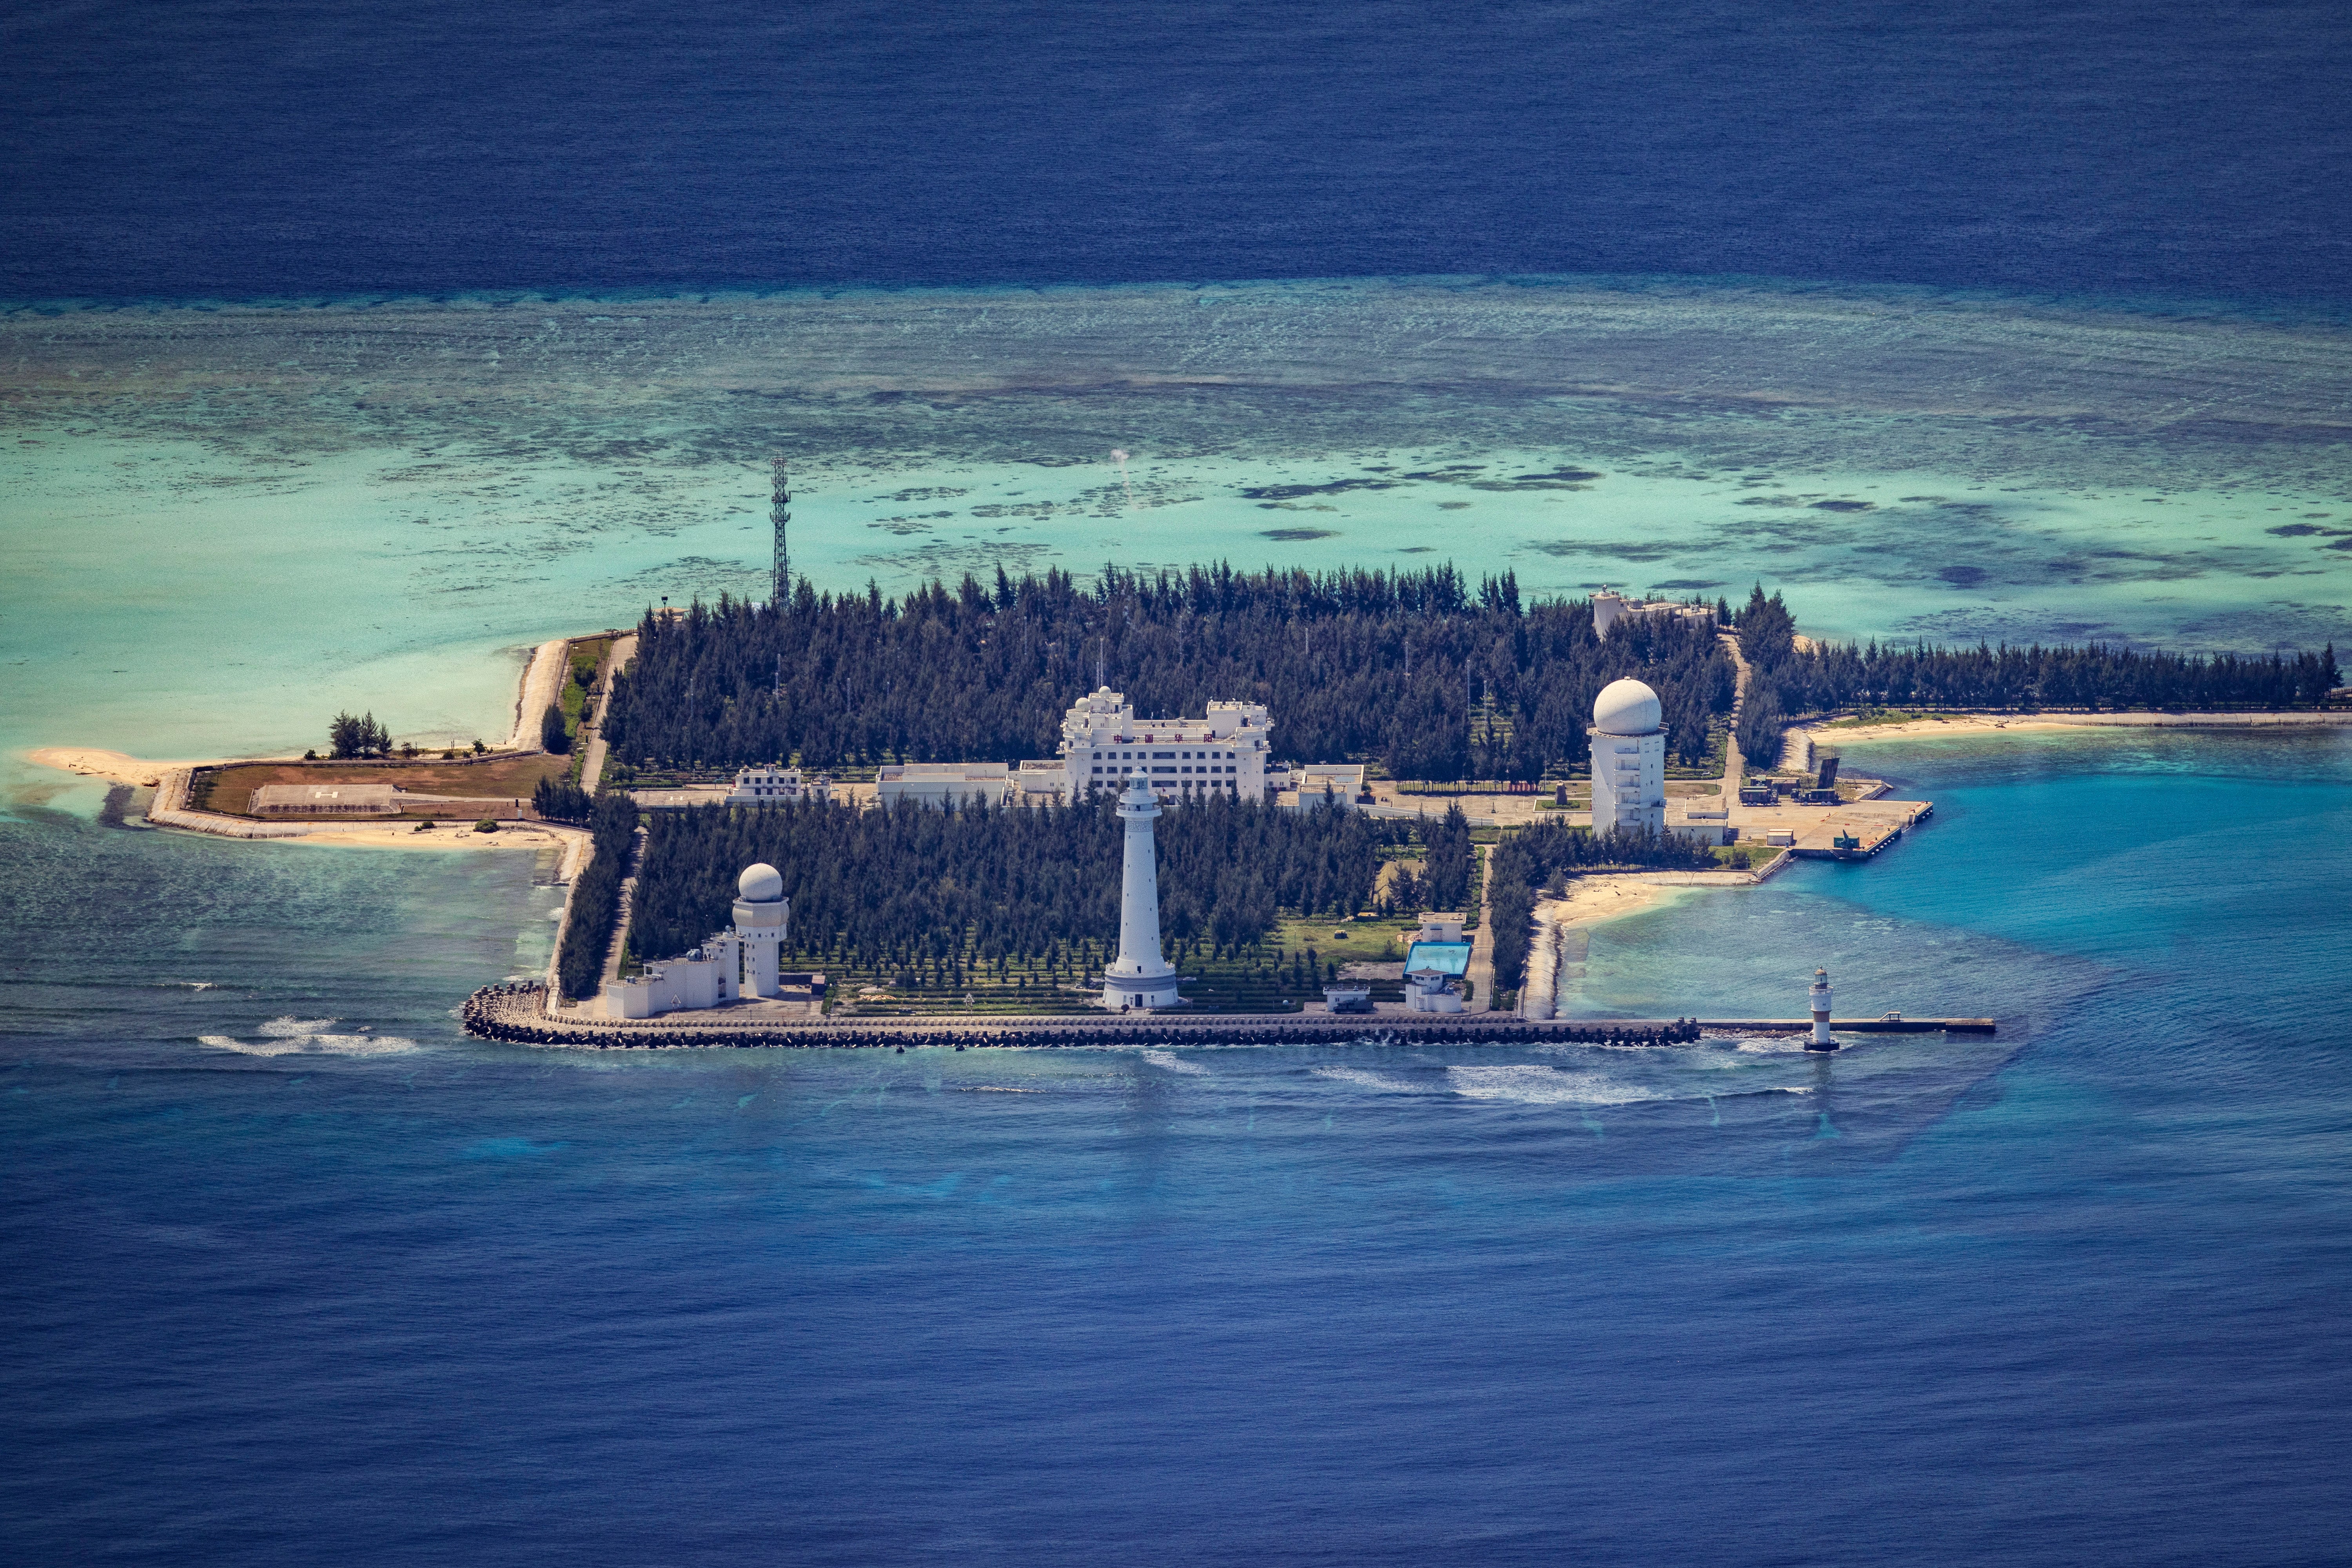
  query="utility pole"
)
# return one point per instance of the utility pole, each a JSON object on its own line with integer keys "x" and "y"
{"x": 779, "y": 502}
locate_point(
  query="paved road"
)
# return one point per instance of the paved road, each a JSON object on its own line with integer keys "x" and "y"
{"x": 616, "y": 659}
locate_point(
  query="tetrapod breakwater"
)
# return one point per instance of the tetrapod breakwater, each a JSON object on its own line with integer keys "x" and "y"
{"x": 515, "y": 1013}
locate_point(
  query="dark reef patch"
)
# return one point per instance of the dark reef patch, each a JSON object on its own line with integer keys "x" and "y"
{"x": 1622, "y": 549}
{"x": 1337, "y": 486}
{"x": 1962, "y": 576}
{"x": 1293, "y": 535}
{"x": 1844, "y": 506}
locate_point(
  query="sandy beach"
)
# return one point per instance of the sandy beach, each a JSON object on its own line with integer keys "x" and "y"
{"x": 542, "y": 680}
{"x": 1832, "y": 733}
{"x": 120, "y": 767}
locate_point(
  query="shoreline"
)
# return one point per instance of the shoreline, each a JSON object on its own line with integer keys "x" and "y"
{"x": 542, "y": 675}
{"x": 1987, "y": 722}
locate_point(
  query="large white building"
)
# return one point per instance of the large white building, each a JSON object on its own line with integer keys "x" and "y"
{"x": 1609, "y": 609}
{"x": 1629, "y": 758}
{"x": 744, "y": 959}
{"x": 1104, "y": 744}
{"x": 1138, "y": 976}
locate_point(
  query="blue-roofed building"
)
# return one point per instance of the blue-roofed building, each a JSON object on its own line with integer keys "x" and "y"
{"x": 1431, "y": 969}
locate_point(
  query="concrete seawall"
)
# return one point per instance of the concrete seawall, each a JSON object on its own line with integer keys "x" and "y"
{"x": 517, "y": 1014}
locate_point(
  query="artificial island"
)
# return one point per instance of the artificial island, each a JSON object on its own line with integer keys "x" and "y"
{"x": 849, "y": 820}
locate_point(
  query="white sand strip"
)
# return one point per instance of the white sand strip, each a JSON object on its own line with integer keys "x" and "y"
{"x": 542, "y": 681}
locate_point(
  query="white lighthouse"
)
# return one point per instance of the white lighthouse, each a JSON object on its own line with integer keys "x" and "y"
{"x": 1819, "y": 997}
{"x": 1629, "y": 759}
{"x": 1139, "y": 977}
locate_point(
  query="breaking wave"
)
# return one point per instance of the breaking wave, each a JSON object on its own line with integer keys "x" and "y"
{"x": 1367, "y": 1079}
{"x": 291, "y": 1036}
{"x": 1160, "y": 1059}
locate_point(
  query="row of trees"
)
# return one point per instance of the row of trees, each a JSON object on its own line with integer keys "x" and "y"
{"x": 898, "y": 888}
{"x": 1358, "y": 665}
{"x": 596, "y": 896}
{"x": 350, "y": 735}
{"x": 1526, "y": 860}
{"x": 560, "y": 800}
{"x": 1787, "y": 680}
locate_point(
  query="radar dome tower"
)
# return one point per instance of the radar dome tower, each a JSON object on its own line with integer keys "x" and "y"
{"x": 762, "y": 916}
{"x": 1629, "y": 759}
{"x": 1139, "y": 977}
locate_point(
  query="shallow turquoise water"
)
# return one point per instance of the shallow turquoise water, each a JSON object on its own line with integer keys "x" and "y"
{"x": 218, "y": 525}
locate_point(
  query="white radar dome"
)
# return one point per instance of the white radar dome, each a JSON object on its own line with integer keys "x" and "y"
{"x": 1625, "y": 708}
{"x": 760, "y": 884}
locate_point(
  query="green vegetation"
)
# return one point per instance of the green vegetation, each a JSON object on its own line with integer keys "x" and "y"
{"x": 1013, "y": 907}
{"x": 561, "y": 800}
{"x": 360, "y": 736}
{"x": 554, "y": 735}
{"x": 596, "y": 896}
{"x": 1785, "y": 680}
{"x": 1408, "y": 671}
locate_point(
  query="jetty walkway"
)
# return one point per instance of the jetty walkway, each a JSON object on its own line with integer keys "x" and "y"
{"x": 516, "y": 1013}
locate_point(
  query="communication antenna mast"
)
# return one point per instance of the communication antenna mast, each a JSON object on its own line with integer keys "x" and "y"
{"x": 779, "y": 512}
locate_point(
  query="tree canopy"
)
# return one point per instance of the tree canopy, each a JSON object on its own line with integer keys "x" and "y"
{"x": 887, "y": 888}
{"x": 1353, "y": 666}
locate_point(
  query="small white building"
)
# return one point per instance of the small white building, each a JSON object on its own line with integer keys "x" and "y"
{"x": 1341, "y": 782}
{"x": 776, "y": 786}
{"x": 744, "y": 959}
{"x": 1104, "y": 744}
{"x": 1629, "y": 759}
{"x": 1609, "y": 609}
{"x": 1436, "y": 960}
{"x": 944, "y": 783}
{"x": 1704, "y": 824}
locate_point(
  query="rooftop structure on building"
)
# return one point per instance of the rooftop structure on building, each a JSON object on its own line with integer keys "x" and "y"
{"x": 1104, "y": 744}
{"x": 944, "y": 783}
{"x": 1609, "y": 609}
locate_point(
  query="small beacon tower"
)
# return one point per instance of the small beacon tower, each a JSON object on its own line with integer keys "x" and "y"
{"x": 762, "y": 914}
{"x": 1629, "y": 759}
{"x": 1139, "y": 978}
{"x": 1819, "y": 997}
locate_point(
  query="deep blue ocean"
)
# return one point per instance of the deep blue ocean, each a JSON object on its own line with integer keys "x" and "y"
{"x": 306, "y": 147}
{"x": 293, "y": 1272}
{"x": 2076, "y": 1294}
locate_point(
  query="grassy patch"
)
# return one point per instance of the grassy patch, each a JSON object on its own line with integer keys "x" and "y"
{"x": 230, "y": 789}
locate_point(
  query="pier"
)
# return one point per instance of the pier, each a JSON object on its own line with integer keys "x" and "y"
{"x": 517, "y": 1014}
